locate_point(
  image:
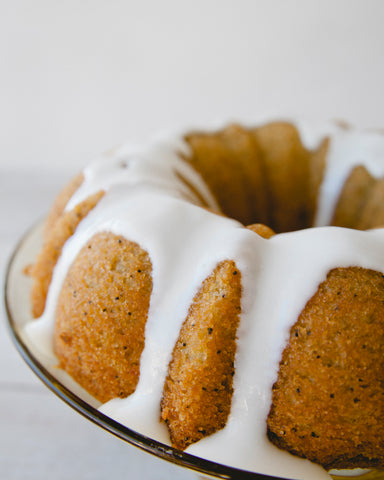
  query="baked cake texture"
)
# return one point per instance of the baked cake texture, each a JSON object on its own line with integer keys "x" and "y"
{"x": 301, "y": 313}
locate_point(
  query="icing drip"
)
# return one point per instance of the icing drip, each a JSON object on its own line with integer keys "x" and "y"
{"x": 148, "y": 203}
{"x": 159, "y": 166}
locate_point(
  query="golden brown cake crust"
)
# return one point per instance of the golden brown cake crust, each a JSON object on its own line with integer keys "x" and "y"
{"x": 198, "y": 389}
{"x": 261, "y": 230}
{"x": 60, "y": 203}
{"x": 101, "y": 316}
{"x": 286, "y": 164}
{"x": 353, "y": 198}
{"x": 373, "y": 213}
{"x": 361, "y": 202}
{"x": 229, "y": 162}
{"x": 317, "y": 166}
{"x": 328, "y": 400}
{"x": 56, "y": 236}
{"x": 241, "y": 144}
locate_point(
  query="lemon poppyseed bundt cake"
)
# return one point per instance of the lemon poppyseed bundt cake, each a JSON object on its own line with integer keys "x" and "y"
{"x": 181, "y": 285}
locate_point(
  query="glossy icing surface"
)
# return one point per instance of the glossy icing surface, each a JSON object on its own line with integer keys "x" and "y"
{"x": 148, "y": 203}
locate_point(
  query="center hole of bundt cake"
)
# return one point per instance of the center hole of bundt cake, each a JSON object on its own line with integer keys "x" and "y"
{"x": 261, "y": 175}
{"x": 266, "y": 175}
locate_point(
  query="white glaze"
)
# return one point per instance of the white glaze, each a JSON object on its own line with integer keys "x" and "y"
{"x": 147, "y": 203}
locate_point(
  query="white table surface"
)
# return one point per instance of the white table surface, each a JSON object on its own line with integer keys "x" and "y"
{"x": 40, "y": 436}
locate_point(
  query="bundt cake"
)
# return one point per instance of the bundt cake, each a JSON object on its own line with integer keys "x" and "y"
{"x": 231, "y": 341}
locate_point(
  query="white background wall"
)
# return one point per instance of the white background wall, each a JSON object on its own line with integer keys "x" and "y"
{"x": 80, "y": 76}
